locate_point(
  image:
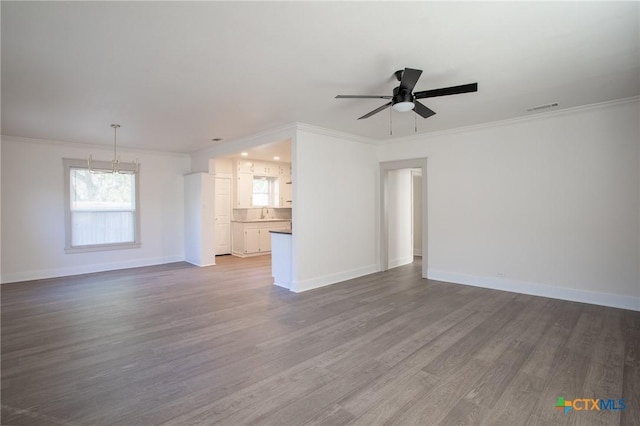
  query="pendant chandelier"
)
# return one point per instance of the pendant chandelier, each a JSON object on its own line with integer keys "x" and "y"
{"x": 129, "y": 169}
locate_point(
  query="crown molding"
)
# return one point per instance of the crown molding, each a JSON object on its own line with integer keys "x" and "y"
{"x": 52, "y": 142}
{"x": 336, "y": 134}
{"x": 515, "y": 120}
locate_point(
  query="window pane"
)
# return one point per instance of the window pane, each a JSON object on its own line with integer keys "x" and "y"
{"x": 260, "y": 186}
{"x": 102, "y": 208}
{"x": 90, "y": 228}
{"x": 105, "y": 191}
{"x": 260, "y": 199}
{"x": 261, "y": 191}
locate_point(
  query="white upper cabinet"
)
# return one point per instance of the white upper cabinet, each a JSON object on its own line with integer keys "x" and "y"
{"x": 244, "y": 191}
{"x": 284, "y": 169}
{"x": 278, "y": 174}
{"x": 263, "y": 168}
{"x": 245, "y": 166}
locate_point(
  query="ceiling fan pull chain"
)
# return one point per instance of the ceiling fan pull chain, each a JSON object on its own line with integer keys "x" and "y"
{"x": 390, "y": 122}
{"x": 415, "y": 123}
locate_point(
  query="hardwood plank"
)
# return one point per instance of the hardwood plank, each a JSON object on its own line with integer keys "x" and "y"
{"x": 631, "y": 392}
{"x": 515, "y": 404}
{"x": 175, "y": 344}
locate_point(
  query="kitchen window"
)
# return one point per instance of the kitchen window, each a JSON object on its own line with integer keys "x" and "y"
{"x": 262, "y": 191}
{"x": 102, "y": 209}
{"x": 265, "y": 191}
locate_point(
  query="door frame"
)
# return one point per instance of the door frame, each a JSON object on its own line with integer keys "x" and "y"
{"x": 415, "y": 174}
{"x": 385, "y": 167}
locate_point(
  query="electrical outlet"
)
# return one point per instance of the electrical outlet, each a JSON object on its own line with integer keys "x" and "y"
{"x": 500, "y": 275}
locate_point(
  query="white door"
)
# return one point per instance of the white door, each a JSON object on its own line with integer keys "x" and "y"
{"x": 223, "y": 216}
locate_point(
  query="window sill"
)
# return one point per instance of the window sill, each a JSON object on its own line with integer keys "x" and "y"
{"x": 101, "y": 247}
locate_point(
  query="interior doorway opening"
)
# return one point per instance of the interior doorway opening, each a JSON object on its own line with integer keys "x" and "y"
{"x": 403, "y": 211}
{"x": 253, "y": 196}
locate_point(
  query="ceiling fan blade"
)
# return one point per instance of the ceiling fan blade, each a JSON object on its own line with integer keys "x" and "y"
{"x": 410, "y": 77}
{"x": 422, "y": 110}
{"x": 454, "y": 90}
{"x": 375, "y": 111}
{"x": 363, "y": 97}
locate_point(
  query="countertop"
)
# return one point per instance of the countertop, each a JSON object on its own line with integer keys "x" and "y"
{"x": 284, "y": 231}
{"x": 262, "y": 220}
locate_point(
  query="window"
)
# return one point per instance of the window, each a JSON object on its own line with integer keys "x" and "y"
{"x": 101, "y": 208}
{"x": 262, "y": 191}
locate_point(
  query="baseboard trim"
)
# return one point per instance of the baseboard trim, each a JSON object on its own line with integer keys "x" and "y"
{"x": 313, "y": 283}
{"x": 86, "y": 269}
{"x": 201, "y": 265}
{"x": 535, "y": 289}
{"x": 400, "y": 262}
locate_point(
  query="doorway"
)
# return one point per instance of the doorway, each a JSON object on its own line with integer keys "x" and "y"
{"x": 397, "y": 225}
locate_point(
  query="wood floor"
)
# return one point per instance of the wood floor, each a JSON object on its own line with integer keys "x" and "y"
{"x": 175, "y": 344}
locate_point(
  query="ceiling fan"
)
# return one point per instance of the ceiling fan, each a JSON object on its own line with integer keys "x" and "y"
{"x": 404, "y": 99}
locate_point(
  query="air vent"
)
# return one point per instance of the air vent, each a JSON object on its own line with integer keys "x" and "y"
{"x": 539, "y": 107}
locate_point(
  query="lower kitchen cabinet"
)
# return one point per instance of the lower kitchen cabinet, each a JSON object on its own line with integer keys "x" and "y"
{"x": 253, "y": 238}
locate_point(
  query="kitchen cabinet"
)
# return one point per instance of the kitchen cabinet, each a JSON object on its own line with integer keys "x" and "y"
{"x": 264, "y": 237}
{"x": 277, "y": 173}
{"x": 244, "y": 191}
{"x": 253, "y": 238}
{"x": 244, "y": 166}
{"x": 261, "y": 168}
{"x": 284, "y": 187}
{"x": 284, "y": 169}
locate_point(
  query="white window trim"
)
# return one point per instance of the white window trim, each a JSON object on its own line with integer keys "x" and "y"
{"x": 69, "y": 163}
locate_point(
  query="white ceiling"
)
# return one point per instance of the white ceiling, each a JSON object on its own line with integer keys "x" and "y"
{"x": 177, "y": 74}
{"x": 267, "y": 152}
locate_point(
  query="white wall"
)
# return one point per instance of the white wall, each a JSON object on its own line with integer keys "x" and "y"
{"x": 33, "y": 210}
{"x": 548, "y": 205}
{"x": 399, "y": 217}
{"x": 199, "y": 215}
{"x": 335, "y": 220}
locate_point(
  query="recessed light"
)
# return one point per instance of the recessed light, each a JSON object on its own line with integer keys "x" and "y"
{"x": 244, "y": 154}
{"x": 276, "y": 158}
{"x": 216, "y": 139}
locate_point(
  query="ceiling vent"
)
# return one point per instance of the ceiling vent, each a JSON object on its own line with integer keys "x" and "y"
{"x": 539, "y": 107}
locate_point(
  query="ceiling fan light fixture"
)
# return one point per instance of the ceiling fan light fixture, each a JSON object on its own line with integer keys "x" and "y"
{"x": 403, "y": 106}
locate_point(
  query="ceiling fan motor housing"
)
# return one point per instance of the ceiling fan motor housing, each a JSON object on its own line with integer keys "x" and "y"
{"x": 400, "y": 95}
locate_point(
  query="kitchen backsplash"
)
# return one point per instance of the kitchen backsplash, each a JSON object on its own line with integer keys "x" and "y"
{"x": 261, "y": 213}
